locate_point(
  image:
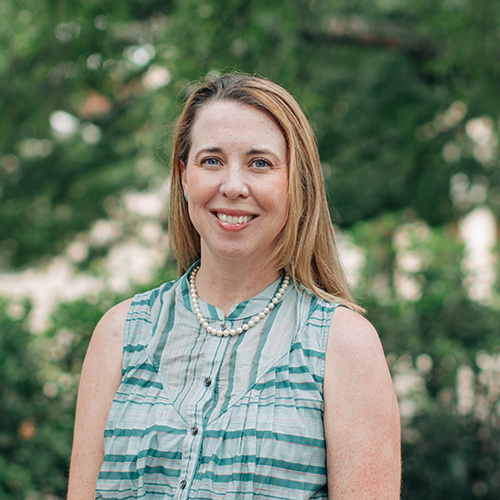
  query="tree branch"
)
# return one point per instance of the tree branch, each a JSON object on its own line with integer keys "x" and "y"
{"x": 361, "y": 31}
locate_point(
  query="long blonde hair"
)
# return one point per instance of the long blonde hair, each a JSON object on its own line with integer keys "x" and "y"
{"x": 306, "y": 246}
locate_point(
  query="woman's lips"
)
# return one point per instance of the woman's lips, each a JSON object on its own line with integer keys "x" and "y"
{"x": 234, "y": 219}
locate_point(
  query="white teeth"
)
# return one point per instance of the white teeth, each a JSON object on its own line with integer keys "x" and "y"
{"x": 232, "y": 219}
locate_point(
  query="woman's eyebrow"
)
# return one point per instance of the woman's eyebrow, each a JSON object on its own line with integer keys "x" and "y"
{"x": 264, "y": 151}
{"x": 213, "y": 149}
{"x": 209, "y": 150}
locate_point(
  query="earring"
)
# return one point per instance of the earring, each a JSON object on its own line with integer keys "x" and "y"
{"x": 186, "y": 197}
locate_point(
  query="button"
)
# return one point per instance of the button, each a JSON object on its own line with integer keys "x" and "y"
{"x": 182, "y": 484}
{"x": 194, "y": 430}
{"x": 207, "y": 382}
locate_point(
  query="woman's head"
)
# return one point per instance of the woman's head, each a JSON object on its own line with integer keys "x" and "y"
{"x": 307, "y": 230}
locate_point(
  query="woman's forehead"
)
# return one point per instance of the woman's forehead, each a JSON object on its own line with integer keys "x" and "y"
{"x": 224, "y": 123}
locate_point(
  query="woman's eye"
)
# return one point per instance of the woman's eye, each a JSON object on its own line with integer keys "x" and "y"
{"x": 211, "y": 162}
{"x": 261, "y": 163}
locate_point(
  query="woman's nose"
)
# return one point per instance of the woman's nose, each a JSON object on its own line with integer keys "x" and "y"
{"x": 234, "y": 183}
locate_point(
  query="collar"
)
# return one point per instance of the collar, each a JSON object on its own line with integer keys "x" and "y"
{"x": 241, "y": 311}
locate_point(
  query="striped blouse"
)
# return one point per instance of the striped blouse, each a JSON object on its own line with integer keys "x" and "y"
{"x": 204, "y": 417}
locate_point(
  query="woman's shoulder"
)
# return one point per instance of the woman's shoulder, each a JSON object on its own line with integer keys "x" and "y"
{"x": 354, "y": 351}
{"x": 112, "y": 324}
{"x": 337, "y": 325}
{"x": 148, "y": 298}
{"x": 117, "y": 326}
{"x": 353, "y": 334}
{"x": 117, "y": 313}
{"x": 113, "y": 321}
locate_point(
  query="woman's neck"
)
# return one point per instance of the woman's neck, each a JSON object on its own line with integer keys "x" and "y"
{"x": 224, "y": 286}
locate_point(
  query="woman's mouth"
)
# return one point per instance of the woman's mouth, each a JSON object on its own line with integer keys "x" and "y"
{"x": 234, "y": 219}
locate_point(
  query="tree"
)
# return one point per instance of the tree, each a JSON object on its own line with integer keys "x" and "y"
{"x": 402, "y": 96}
{"x": 92, "y": 87}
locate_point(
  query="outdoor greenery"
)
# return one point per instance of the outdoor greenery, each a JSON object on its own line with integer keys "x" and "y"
{"x": 403, "y": 97}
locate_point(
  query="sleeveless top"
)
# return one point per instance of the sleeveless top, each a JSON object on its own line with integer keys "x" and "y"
{"x": 199, "y": 416}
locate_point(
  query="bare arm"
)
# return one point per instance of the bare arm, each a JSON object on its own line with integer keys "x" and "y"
{"x": 362, "y": 425}
{"x": 100, "y": 378}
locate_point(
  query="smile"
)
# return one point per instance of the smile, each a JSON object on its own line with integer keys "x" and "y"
{"x": 234, "y": 219}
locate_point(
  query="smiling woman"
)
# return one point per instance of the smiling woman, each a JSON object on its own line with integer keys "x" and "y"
{"x": 251, "y": 376}
{"x": 236, "y": 178}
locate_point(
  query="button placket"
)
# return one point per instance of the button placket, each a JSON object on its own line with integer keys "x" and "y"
{"x": 204, "y": 389}
{"x": 194, "y": 435}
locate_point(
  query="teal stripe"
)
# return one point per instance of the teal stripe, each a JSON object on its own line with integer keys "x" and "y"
{"x": 183, "y": 284}
{"x": 242, "y": 477}
{"x": 117, "y": 432}
{"x": 134, "y": 475}
{"x": 133, "y": 381}
{"x": 121, "y": 400}
{"x": 311, "y": 353}
{"x": 297, "y": 370}
{"x": 238, "y": 311}
{"x": 269, "y": 322}
{"x": 151, "y": 453}
{"x": 131, "y": 494}
{"x": 302, "y": 386}
{"x": 231, "y": 375}
{"x": 163, "y": 338}
{"x": 134, "y": 348}
{"x": 300, "y": 407}
{"x": 275, "y": 436}
{"x": 141, "y": 367}
{"x": 136, "y": 317}
{"x": 271, "y": 462}
{"x": 212, "y": 312}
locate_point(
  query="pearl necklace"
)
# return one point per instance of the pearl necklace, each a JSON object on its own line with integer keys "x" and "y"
{"x": 224, "y": 332}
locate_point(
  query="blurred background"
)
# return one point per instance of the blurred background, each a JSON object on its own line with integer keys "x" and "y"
{"x": 403, "y": 97}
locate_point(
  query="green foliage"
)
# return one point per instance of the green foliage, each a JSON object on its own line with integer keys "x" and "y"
{"x": 372, "y": 77}
{"x": 38, "y": 385}
{"x": 35, "y": 424}
{"x": 438, "y": 463}
{"x": 423, "y": 312}
{"x": 403, "y": 98}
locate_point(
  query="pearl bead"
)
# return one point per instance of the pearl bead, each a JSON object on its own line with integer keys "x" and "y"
{"x": 223, "y": 331}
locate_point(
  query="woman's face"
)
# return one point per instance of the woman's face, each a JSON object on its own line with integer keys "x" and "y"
{"x": 236, "y": 177}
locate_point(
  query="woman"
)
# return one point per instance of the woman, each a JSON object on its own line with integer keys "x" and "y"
{"x": 244, "y": 378}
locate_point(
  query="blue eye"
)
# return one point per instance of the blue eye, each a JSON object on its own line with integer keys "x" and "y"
{"x": 261, "y": 163}
{"x": 211, "y": 162}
